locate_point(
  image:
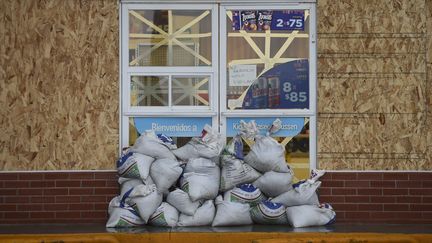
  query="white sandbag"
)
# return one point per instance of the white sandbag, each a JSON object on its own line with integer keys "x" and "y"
{"x": 236, "y": 172}
{"x": 182, "y": 202}
{"x": 303, "y": 193}
{"x": 128, "y": 183}
{"x": 122, "y": 215}
{"x": 316, "y": 174}
{"x": 268, "y": 212}
{"x": 152, "y": 145}
{"x": 203, "y": 216}
{"x": 165, "y": 173}
{"x": 201, "y": 186}
{"x": 246, "y": 193}
{"x": 267, "y": 155}
{"x": 201, "y": 179}
{"x": 134, "y": 165}
{"x": 165, "y": 215}
{"x": 273, "y": 183}
{"x": 311, "y": 215}
{"x": 231, "y": 213}
{"x": 209, "y": 145}
{"x": 145, "y": 199}
{"x": 200, "y": 165}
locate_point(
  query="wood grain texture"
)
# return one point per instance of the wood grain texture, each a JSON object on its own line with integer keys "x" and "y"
{"x": 374, "y": 85}
{"x": 59, "y": 84}
{"x": 59, "y": 88}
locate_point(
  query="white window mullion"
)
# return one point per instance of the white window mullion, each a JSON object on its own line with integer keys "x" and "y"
{"x": 170, "y": 91}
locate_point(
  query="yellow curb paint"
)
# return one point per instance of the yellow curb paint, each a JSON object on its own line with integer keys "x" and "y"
{"x": 215, "y": 237}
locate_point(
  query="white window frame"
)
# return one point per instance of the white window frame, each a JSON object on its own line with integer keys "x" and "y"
{"x": 126, "y": 71}
{"x": 217, "y": 109}
{"x": 310, "y": 113}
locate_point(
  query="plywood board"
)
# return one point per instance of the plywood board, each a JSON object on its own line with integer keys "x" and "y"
{"x": 371, "y": 44}
{"x": 370, "y": 163}
{"x": 347, "y": 63}
{"x": 59, "y": 88}
{"x": 400, "y": 93}
{"x": 372, "y": 133}
{"x": 365, "y": 16}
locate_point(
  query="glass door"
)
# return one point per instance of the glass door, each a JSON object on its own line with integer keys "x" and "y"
{"x": 268, "y": 71}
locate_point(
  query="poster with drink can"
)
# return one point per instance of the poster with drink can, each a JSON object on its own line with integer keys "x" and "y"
{"x": 285, "y": 86}
{"x": 262, "y": 20}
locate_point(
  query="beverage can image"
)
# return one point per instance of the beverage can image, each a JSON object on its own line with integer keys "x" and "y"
{"x": 262, "y": 101}
{"x": 273, "y": 92}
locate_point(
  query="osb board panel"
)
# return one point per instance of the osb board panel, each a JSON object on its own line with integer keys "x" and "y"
{"x": 365, "y": 16}
{"x": 59, "y": 88}
{"x": 388, "y": 134}
{"x": 347, "y": 63}
{"x": 371, "y": 44}
{"x": 403, "y": 93}
{"x": 327, "y": 162}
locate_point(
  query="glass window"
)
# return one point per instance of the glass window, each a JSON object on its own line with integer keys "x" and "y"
{"x": 267, "y": 59}
{"x": 170, "y": 38}
{"x": 190, "y": 90}
{"x": 186, "y": 90}
{"x": 149, "y": 90}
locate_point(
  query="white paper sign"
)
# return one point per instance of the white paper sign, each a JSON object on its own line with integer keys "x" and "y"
{"x": 242, "y": 75}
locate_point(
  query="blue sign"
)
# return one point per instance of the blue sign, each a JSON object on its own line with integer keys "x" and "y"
{"x": 173, "y": 126}
{"x": 285, "y": 86}
{"x": 288, "y": 20}
{"x": 291, "y": 126}
{"x": 261, "y": 20}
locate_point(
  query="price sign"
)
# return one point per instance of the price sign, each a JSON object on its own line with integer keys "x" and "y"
{"x": 288, "y": 20}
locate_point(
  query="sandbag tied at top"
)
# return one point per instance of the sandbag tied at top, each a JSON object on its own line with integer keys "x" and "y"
{"x": 165, "y": 216}
{"x": 273, "y": 183}
{"x": 267, "y": 212}
{"x": 234, "y": 170}
{"x": 122, "y": 215}
{"x": 303, "y": 193}
{"x": 134, "y": 165}
{"x": 231, "y": 213}
{"x": 165, "y": 172}
{"x": 266, "y": 154}
{"x": 145, "y": 199}
{"x": 208, "y": 145}
{"x": 201, "y": 179}
{"x": 203, "y": 216}
{"x": 156, "y": 146}
{"x": 182, "y": 202}
{"x": 310, "y": 215}
{"x": 246, "y": 193}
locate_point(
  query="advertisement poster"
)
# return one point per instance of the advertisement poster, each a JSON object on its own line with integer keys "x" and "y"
{"x": 291, "y": 126}
{"x": 173, "y": 126}
{"x": 285, "y": 86}
{"x": 261, "y": 20}
{"x": 242, "y": 75}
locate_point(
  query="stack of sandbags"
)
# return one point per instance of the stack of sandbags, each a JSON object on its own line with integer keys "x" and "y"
{"x": 146, "y": 172}
{"x": 149, "y": 173}
{"x": 271, "y": 181}
{"x": 196, "y": 185}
